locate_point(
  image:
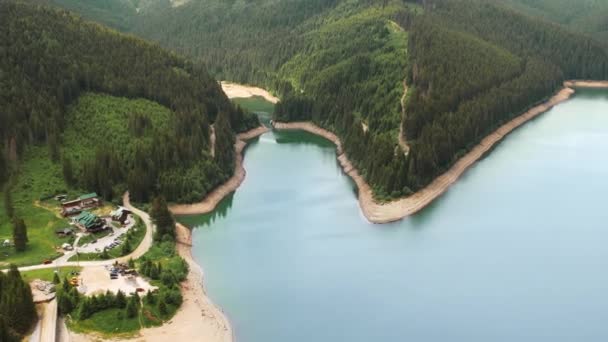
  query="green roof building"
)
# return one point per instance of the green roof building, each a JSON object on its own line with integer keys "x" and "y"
{"x": 88, "y": 221}
{"x": 88, "y": 196}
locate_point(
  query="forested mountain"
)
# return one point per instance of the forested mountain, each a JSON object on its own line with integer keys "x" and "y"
{"x": 448, "y": 114}
{"x": 470, "y": 65}
{"x": 50, "y": 57}
{"x": 339, "y": 63}
{"x": 587, "y": 16}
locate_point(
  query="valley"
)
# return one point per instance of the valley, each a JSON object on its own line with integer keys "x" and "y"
{"x": 341, "y": 170}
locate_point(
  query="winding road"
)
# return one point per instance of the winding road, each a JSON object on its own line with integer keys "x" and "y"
{"x": 143, "y": 247}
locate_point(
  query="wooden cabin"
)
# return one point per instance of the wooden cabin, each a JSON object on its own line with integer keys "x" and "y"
{"x": 74, "y": 207}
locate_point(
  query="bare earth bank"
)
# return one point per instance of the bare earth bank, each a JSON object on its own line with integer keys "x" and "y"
{"x": 398, "y": 209}
{"x": 209, "y": 203}
{"x": 234, "y": 90}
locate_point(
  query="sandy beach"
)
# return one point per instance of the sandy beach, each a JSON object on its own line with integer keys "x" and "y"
{"x": 234, "y": 90}
{"x": 398, "y": 209}
{"x": 198, "y": 319}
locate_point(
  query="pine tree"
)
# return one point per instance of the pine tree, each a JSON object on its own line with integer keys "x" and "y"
{"x": 56, "y": 279}
{"x": 68, "y": 172}
{"x": 19, "y": 234}
{"x": 162, "y": 307}
{"x": 121, "y": 300}
{"x": 131, "y": 309}
{"x": 3, "y": 168}
{"x": 154, "y": 273}
{"x": 86, "y": 309}
{"x": 65, "y": 285}
{"x": 8, "y": 202}
{"x": 16, "y": 303}
{"x": 65, "y": 303}
{"x": 126, "y": 247}
{"x": 165, "y": 224}
{"x": 149, "y": 297}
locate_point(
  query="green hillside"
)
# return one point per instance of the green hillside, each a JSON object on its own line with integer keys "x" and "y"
{"x": 51, "y": 57}
{"x": 587, "y": 16}
{"x": 340, "y": 63}
{"x": 470, "y": 65}
{"x": 87, "y": 109}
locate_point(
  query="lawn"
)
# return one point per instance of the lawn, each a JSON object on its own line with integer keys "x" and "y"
{"x": 38, "y": 178}
{"x": 107, "y": 322}
{"x": 47, "y": 274}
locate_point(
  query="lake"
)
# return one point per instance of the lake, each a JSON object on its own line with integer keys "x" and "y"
{"x": 516, "y": 250}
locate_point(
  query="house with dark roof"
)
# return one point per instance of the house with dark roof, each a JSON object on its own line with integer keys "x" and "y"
{"x": 121, "y": 215}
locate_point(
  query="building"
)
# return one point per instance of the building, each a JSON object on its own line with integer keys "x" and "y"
{"x": 90, "y": 201}
{"x": 89, "y": 222}
{"x": 76, "y": 206}
{"x": 64, "y": 232}
{"x": 121, "y": 215}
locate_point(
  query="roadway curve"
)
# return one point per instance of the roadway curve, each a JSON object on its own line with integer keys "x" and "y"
{"x": 143, "y": 247}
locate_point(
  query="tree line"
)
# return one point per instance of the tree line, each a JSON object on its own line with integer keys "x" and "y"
{"x": 17, "y": 310}
{"x": 49, "y": 57}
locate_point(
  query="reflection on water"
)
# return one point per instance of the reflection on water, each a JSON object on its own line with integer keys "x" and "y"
{"x": 514, "y": 251}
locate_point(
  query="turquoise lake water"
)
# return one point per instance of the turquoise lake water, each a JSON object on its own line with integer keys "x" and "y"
{"x": 516, "y": 250}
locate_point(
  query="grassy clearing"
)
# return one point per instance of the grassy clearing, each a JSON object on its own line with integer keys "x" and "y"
{"x": 47, "y": 274}
{"x": 38, "y": 178}
{"x": 111, "y": 322}
{"x": 256, "y": 104}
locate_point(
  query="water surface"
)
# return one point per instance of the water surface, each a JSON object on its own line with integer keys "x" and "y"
{"x": 517, "y": 250}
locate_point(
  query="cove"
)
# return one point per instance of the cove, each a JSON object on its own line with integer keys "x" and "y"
{"x": 514, "y": 251}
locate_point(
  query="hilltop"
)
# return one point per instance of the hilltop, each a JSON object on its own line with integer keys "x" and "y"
{"x": 461, "y": 68}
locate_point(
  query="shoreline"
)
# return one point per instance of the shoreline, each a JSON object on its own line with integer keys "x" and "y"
{"x": 210, "y": 202}
{"x": 400, "y": 208}
{"x": 586, "y": 84}
{"x": 235, "y": 90}
{"x": 198, "y": 318}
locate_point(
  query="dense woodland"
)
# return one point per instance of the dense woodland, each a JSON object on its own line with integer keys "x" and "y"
{"x": 17, "y": 310}
{"x": 447, "y": 115}
{"x": 470, "y": 65}
{"x": 339, "y": 63}
{"x": 49, "y": 58}
{"x": 586, "y": 16}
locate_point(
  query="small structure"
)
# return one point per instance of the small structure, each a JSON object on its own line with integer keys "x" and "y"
{"x": 121, "y": 215}
{"x": 76, "y": 206}
{"x": 90, "y": 201}
{"x": 64, "y": 232}
{"x": 61, "y": 197}
{"x": 89, "y": 222}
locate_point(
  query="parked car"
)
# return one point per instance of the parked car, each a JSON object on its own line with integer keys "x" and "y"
{"x": 47, "y": 261}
